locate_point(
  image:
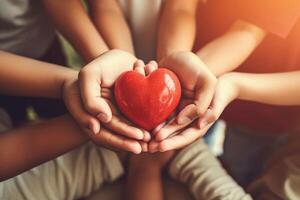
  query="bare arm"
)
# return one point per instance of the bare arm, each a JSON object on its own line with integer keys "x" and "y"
{"x": 230, "y": 50}
{"x": 22, "y": 76}
{"x": 72, "y": 20}
{"x": 111, "y": 23}
{"x": 29, "y": 146}
{"x": 276, "y": 88}
{"x": 177, "y": 27}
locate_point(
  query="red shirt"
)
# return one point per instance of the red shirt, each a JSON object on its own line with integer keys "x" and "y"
{"x": 280, "y": 51}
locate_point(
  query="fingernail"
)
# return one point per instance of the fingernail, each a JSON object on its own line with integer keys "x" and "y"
{"x": 102, "y": 117}
{"x": 93, "y": 129}
{"x": 147, "y": 136}
{"x": 183, "y": 120}
{"x": 140, "y": 135}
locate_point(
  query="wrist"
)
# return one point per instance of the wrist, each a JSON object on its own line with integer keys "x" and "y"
{"x": 148, "y": 170}
{"x": 231, "y": 79}
{"x": 69, "y": 78}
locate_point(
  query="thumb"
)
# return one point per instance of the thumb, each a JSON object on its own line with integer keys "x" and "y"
{"x": 103, "y": 110}
{"x": 90, "y": 89}
{"x": 203, "y": 95}
{"x": 213, "y": 112}
{"x": 187, "y": 115}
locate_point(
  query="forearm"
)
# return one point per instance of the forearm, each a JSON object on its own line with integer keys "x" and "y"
{"x": 72, "y": 20}
{"x": 230, "y": 50}
{"x": 29, "y": 146}
{"x": 22, "y": 76}
{"x": 276, "y": 88}
{"x": 144, "y": 184}
{"x": 177, "y": 27}
{"x": 110, "y": 22}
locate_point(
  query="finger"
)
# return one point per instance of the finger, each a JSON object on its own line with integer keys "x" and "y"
{"x": 153, "y": 146}
{"x": 209, "y": 117}
{"x": 150, "y": 67}
{"x": 90, "y": 89}
{"x": 187, "y": 115}
{"x": 204, "y": 94}
{"x": 86, "y": 121}
{"x": 139, "y": 67}
{"x": 118, "y": 142}
{"x": 154, "y": 63}
{"x": 144, "y": 146}
{"x": 156, "y": 129}
{"x": 216, "y": 108}
{"x": 116, "y": 115}
{"x": 202, "y": 99}
{"x": 169, "y": 129}
{"x": 180, "y": 140}
{"x": 121, "y": 127}
{"x": 147, "y": 136}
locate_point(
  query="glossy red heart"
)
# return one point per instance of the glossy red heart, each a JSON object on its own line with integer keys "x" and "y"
{"x": 147, "y": 100}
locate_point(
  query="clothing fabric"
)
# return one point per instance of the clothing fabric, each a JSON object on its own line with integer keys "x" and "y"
{"x": 200, "y": 170}
{"x": 278, "y": 52}
{"x": 279, "y": 182}
{"x": 196, "y": 167}
{"x": 142, "y": 17}
{"x": 24, "y": 28}
{"x": 71, "y": 176}
{"x": 246, "y": 154}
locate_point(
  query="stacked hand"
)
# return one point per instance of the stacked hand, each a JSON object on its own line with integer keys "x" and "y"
{"x": 93, "y": 90}
{"x": 198, "y": 87}
{"x": 90, "y": 101}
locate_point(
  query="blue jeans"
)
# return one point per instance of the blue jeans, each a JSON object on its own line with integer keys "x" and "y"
{"x": 246, "y": 153}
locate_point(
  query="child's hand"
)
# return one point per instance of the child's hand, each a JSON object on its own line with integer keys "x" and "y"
{"x": 226, "y": 91}
{"x": 90, "y": 124}
{"x": 198, "y": 86}
{"x": 72, "y": 100}
{"x": 95, "y": 83}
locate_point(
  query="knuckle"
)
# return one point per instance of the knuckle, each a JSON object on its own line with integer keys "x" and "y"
{"x": 83, "y": 73}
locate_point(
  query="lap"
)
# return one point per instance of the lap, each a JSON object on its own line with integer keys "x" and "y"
{"x": 71, "y": 176}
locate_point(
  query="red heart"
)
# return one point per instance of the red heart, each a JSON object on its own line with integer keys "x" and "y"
{"x": 147, "y": 101}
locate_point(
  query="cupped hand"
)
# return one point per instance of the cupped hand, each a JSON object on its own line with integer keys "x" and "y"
{"x": 198, "y": 87}
{"x": 225, "y": 92}
{"x": 90, "y": 100}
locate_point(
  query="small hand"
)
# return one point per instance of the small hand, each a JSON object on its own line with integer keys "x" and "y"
{"x": 225, "y": 92}
{"x": 72, "y": 100}
{"x": 198, "y": 86}
{"x": 90, "y": 124}
{"x": 96, "y": 81}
